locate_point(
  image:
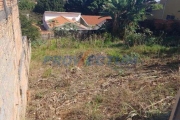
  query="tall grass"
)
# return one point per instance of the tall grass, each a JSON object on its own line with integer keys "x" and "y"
{"x": 70, "y": 46}
{"x": 61, "y": 46}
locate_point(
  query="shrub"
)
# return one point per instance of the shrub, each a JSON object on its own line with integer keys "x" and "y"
{"x": 28, "y": 29}
{"x": 133, "y": 38}
{"x": 26, "y": 5}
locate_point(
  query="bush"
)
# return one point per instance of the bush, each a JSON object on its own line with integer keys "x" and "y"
{"x": 133, "y": 38}
{"x": 28, "y": 29}
{"x": 26, "y": 5}
{"x": 171, "y": 41}
{"x": 37, "y": 43}
{"x": 49, "y": 5}
{"x": 108, "y": 38}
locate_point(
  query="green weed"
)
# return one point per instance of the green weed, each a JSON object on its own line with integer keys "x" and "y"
{"x": 47, "y": 73}
{"x": 39, "y": 95}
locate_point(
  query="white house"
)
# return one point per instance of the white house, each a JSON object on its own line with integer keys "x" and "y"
{"x": 49, "y": 15}
{"x": 72, "y": 21}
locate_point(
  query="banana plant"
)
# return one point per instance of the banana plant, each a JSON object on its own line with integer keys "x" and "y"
{"x": 126, "y": 12}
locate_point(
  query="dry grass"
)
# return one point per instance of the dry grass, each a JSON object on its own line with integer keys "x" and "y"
{"x": 100, "y": 93}
{"x": 142, "y": 92}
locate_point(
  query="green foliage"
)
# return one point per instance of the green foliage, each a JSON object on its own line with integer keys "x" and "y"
{"x": 126, "y": 12}
{"x": 96, "y": 6}
{"x": 133, "y": 38}
{"x": 91, "y": 7}
{"x": 47, "y": 73}
{"x": 108, "y": 38}
{"x": 26, "y": 5}
{"x": 171, "y": 41}
{"x": 28, "y": 29}
{"x": 149, "y": 50}
{"x": 39, "y": 95}
{"x": 157, "y": 6}
{"x": 49, "y": 5}
{"x": 37, "y": 43}
{"x": 98, "y": 99}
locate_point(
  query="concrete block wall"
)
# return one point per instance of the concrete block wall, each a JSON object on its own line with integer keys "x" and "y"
{"x": 14, "y": 64}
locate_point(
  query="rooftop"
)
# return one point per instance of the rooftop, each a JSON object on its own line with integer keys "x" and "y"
{"x": 62, "y": 12}
{"x": 59, "y": 21}
{"x": 94, "y": 20}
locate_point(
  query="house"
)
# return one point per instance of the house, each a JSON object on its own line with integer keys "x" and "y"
{"x": 60, "y": 19}
{"x": 170, "y": 10}
{"x": 72, "y": 21}
{"x": 94, "y": 22}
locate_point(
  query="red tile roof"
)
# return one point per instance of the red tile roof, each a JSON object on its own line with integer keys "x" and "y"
{"x": 59, "y": 21}
{"x": 94, "y": 20}
{"x": 62, "y": 20}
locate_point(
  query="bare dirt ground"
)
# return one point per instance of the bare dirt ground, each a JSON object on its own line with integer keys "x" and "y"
{"x": 142, "y": 92}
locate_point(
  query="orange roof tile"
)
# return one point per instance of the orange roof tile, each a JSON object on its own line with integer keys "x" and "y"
{"x": 62, "y": 20}
{"x": 59, "y": 21}
{"x": 94, "y": 20}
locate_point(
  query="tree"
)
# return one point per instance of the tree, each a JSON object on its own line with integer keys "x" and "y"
{"x": 26, "y": 5}
{"x": 28, "y": 29}
{"x": 75, "y": 6}
{"x": 49, "y": 5}
{"x": 127, "y": 13}
{"x": 90, "y": 7}
{"x": 96, "y": 6}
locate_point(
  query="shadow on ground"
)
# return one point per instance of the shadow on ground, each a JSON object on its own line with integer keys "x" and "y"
{"x": 162, "y": 116}
{"x": 172, "y": 66}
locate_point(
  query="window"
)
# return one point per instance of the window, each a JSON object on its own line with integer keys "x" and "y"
{"x": 170, "y": 17}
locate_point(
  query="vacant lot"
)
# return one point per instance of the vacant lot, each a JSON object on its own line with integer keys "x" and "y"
{"x": 124, "y": 89}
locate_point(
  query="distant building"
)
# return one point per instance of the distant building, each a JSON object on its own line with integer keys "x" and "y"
{"x": 93, "y": 22}
{"x": 72, "y": 21}
{"x": 170, "y": 11}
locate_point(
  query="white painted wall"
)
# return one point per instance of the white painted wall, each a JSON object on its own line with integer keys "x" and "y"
{"x": 45, "y": 23}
